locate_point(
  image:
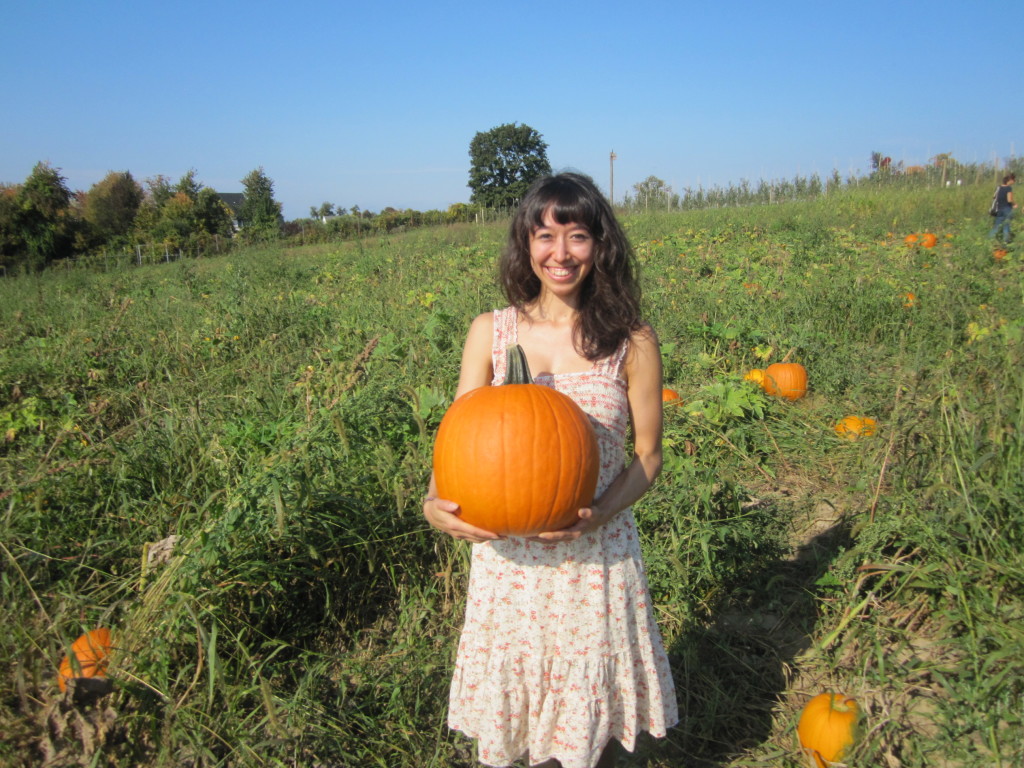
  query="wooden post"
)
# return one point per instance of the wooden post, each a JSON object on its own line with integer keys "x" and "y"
{"x": 611, "y": 177}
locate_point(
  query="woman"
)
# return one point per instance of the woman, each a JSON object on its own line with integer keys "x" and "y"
{"x": 560, "y": 655}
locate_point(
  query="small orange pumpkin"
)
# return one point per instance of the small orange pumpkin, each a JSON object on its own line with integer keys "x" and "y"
{"x": 756, "y": 375}
{"x": 670, "y": 396}
{"x": 90, "y": 651}
{"x": 828, "y": 727}
{"x": 999, "y": 254}
{"x": 787, "y": 380}
{"x": 928, "y": 240}
{"x": 518, "y": 458}
{"x": 910, "y": 240}
{"x": 909, "y": 299}
{"x": 853, "y": 427}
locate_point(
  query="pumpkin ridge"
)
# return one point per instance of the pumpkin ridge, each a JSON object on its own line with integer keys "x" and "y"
{"x": 559, "y": 449}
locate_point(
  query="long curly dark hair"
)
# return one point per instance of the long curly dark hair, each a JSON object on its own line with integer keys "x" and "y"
{"x": 609, "y": 307}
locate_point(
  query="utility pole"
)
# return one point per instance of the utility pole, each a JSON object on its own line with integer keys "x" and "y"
{"x": 611, "y": 179}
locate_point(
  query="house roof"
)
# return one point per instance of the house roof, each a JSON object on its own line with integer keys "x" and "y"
{"x": 232, "y": 200}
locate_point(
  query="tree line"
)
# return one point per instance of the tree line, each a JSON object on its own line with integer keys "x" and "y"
{"x": 943, "y": 170}
{"x": 42, "y": 221}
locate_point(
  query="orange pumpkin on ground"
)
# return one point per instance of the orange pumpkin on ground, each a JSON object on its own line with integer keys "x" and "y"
{"x": 518, "y": 458}
{"x": 670, "y": 396}
{"x": 853, "y": 427}
{"x": 910, "y": 240}
{"x": 91, "y": 651}
{"x": 909, "y": 299}
{"x": 756, "y": 375}
{"x": 828, "y": 728}
{"x": 999, "y": 254}
{"x": 928, "y": 240}
{"x": 787, "y": 380}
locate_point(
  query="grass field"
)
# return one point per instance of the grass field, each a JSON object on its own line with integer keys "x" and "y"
{"x": 275, "y": 409}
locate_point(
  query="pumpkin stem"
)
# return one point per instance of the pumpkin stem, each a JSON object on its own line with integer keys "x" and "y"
{"x": 517, "y": 370}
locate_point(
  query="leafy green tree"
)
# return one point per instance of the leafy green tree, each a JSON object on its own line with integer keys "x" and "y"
{"x": 260, "y": 216}
{"x": 110, "y": 206}
{"x": 12, "y": 245}
{"x": 159, "y": 190}
{"x": 652, "y": 192}
{"x": 213, "y": 216}
{"x": 189, "y": 185}
{"x": 183, "y": 215}
{"x": 504, "y": 162}
{"x": 324, "y": 212}
{"x": 44, "y": 217}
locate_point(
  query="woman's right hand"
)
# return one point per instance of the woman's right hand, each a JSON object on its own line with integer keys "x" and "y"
{"x": 443, "y": 515}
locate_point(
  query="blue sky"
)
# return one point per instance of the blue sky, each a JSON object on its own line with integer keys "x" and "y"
{"x": 375, "y": 104}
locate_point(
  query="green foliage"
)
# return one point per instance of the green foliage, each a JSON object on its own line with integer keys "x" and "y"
{"x": 652, "y": 192}
{"x": 504, "y": 161}
{"x": 42, "y": 217}
{"x": 275, "y": 410}
{"x": 111, "y": 205}
{"x": 260, "y": 216}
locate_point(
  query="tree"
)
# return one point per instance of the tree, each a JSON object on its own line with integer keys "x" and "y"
{"x": 213, "y": 217}
{"x": 44, "y": 216}
{"x": 324, "y": 212}
{"x": 505, "y": 161}
{"x": 11, "y": 242}
{"x": 111, "y": 205}
{"x": 260, "y": 215}
{"x": 652, "y": 192}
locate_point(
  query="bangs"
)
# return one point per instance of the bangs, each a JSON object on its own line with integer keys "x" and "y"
{"x": 568, "y": 203}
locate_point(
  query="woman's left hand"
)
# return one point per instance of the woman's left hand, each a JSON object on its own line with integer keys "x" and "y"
{"x": 590, "y": 519}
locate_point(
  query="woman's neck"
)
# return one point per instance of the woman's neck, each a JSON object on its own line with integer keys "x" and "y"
{"x": 551, "y": 310}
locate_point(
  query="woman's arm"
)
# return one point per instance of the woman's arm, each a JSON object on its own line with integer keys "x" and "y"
{"x": 643, "y": 378}
{"x": 476, "y": 371}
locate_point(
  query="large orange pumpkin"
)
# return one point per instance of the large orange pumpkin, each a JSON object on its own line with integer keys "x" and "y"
{"x": 519, "y": 458}
{"x": 928, "y": 240}
{"x": 90, "y": 652}
{"x": 788, "y": 380}
{"x": 828, "y": 727}
{"x": 670, "y": 396}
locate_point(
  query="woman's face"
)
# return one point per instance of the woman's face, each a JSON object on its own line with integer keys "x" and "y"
{"x": 561, "y": 255}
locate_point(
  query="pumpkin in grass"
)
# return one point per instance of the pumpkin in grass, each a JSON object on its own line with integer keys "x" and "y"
{"x": 928, "y": 240}
{"x": 999, "y": 254}
{"x": 910, "y": 241}
{"x": 909, "y": 299}
{"x": 518, "y": 458}
{"x": 756, "y": 375}
{"x": 90, "y": 651}
{"x": 670, "y": 396}
{"x": 853, "y": 427}
{"x": 828, "y": 728}
{"x": 787, "y": 380}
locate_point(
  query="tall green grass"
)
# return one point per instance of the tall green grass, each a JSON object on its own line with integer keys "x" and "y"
{"x": 275, "y": 409}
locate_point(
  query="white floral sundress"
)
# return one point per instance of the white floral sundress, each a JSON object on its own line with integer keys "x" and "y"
{"x": 560, "y": 652}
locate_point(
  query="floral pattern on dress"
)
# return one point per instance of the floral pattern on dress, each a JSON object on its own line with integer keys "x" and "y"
{"x": 559, "y": 651}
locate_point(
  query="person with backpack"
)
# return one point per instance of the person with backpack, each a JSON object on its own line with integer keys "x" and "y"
{"x": 1003, "y": 205}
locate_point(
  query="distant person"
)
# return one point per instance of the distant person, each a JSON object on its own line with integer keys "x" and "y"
{"x": 560, "y": 655}
{"x": 1004, "y": 208}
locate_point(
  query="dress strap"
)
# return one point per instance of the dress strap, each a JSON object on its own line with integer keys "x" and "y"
{"x": 505, "y": 332}
{"x": 613, "y": 364}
